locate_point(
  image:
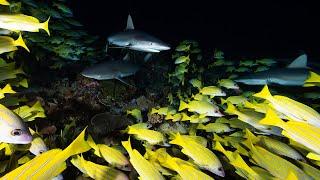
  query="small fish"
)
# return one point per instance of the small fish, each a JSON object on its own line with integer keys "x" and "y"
{"x": 248, "y": 63}
{"x": 174, "y": 118}
{"x": 202, "y": 156}
{"x": 231, "y": 69}
{"x": 163, "y": 111}
{"x": 294, "y": 110}
{"x": 212, "y": 91}
{"x": 37, "y": 145}
{"x": 182, "y": 59}
{"x": 7, "y": 44}
{"x": 6, "y": 90}
{"x": 200, "y": 97}
{"x": 219, "y": 62}
{"x": 4, "y": 2}
{"x": 237, "y": 100}
{"x": 21, "y": 22}
{"x": 13, "y": 129}
{"x": 196, "y": 83}
{"x": 301, "y": 132}
{"x": 136, "y": 113}
{"x": 280, "y": 148}
{"x": 267, "y": 62}
{"x": 150, "y": 136}
{"x": 183, "y": 48}
{"x": 144, "y": 168}
{"x": 252, "y": 118}
{"x": 262, "y": 68}
{"x": 215, "y": 127}
{"x": 97, "y": 171}
{"x": 242, "y": 69}
{"x": 201, "y": 107}
{"x": 228, "y": 83}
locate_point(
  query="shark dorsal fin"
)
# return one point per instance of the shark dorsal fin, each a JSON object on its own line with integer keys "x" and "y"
{"x": 299, "y": 62}
{"x": 129, "y": 23}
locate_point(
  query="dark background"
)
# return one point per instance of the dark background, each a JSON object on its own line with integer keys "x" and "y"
{"x": 239, "y": 28}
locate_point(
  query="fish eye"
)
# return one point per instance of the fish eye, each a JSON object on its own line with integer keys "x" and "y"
{"x": 16, "y": 132}
{"x": 220, "y": 169}
{"x": 41, "y": 151}
{"x": 216, "y": 111}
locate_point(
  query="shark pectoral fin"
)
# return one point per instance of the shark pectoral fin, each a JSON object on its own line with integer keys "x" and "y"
{"x": 129, "y": 23}
{"x": 124, "y": 82}
{"x": 299, "y": 62}
{"x": 126, "y": 57}
{"x": 147, "y": 57}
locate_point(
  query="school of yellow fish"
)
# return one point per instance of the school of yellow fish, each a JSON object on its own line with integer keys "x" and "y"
{"x": 261, "y": 136}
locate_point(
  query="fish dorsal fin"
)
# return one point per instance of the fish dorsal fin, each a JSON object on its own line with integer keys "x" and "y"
{"x": 130, "y": 25}
{"x": 299, "y": 62}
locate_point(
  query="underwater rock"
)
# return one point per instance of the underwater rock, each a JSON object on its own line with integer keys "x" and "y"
{"x": 104, "y": 123}
{"x": 155, "y": 118}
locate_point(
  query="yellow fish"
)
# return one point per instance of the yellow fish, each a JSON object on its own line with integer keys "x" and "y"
{"x": 201, "y": 107}
{"x": 237, "y": 100}
{"x": 151, "y": 136}
{"x": 144, "y": 168}
{"x": 291, "y": 108}
{"x": 37, "y": 145}
{"x": 21, "y": 22}
{"x": 228, "y": 83}
{"x": 163, "y": 111}
{"x": 252, "y": 118}
{"x": 8, "y": 44}
{"x": 201, "y": 97}
{"x": 13, "y": 129}
{"x": 6, "y": 90}
{"x": 49, "y": 164}
{"x": 215, "y": 127}
{"x": 4, "y": 2}
{"x": 276, "y": 165}
{"x": 97, "y": 171}
{"x": 212, "y": 91}
{"x": 300, "y": 132}
{"x": 313, "y": 78}
{"x": 136, "y": 113}
{"x": 202, "y": 156}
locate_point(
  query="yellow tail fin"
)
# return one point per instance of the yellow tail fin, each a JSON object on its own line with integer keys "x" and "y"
{"x": 45, "y": 26}
{"x": 271, "y": 118}
{"x": 8, "y": 89}
{"x": 230, "y": 109}
{"x": 223, "y": 101}
{"x": 313, "y": 78}
{"x": 183, "y": 105}
{"x": 20, "y": 42}
{"x": 4, "y": 2}
{"x": 79, "y": 145}
{"x": 127, "y": 146}
{"x": 37, "y": 107}
{"x": 264, "y": 94}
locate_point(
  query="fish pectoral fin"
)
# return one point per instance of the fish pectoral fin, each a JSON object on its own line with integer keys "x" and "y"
{"x": 147, "y": 57}
{"x": 124, "y": 82}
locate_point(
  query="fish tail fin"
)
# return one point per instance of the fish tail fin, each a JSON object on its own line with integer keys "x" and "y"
{"x": 127, "y": 146}
{"x": 313, "y": 78}
{"x": 20, "y": 42}
{"x": 264, "y": 93}
{"x": 230, "y": 108}
{"x": 5, "y": 3}
{"x": 19, "y": 70}
{"x": 183, "y": 105}
{"x": 79, "y": 145}
{"x": 223, "y": 101}
{"x": 219, "y": 147}
{"x": 45, "y": 26}
{"x": 177, "y": 139}
{"x": 37, "y": 106}
{"x": 201, "y": 126}
{"x": 271, "y": 118}
{"x": 153, "y": 111}
{"x": 8, "y": 89}
{"x": 185, "y": 117}
{"x": 248, "y": 104}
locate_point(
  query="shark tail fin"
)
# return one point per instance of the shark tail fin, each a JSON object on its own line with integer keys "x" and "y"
{"x": 264, "y": 94}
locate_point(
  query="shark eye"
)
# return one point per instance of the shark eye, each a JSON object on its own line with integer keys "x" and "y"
{"x": 16, "y": 132}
